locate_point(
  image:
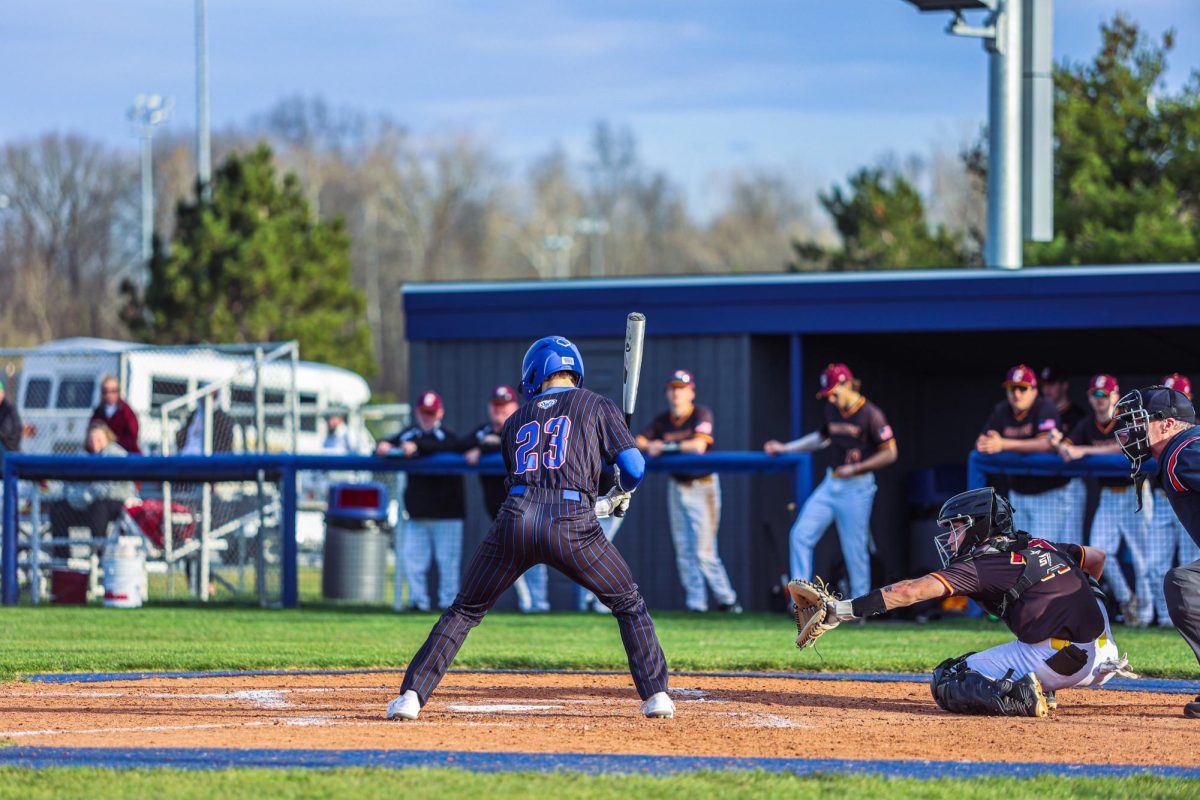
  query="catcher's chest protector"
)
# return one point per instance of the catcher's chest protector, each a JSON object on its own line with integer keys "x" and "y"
{"x": 1042, "y": 562}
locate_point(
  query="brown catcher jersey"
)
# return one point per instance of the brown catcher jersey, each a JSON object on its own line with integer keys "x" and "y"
{"x": 1061, "y": 605}
{"x": 856, "y": 434}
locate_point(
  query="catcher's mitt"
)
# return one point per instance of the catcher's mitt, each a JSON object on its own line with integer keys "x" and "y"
{"x": 812, "y": 602}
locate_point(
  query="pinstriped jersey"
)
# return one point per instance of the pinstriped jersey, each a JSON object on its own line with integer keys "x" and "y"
{"x": 560, "y": 439}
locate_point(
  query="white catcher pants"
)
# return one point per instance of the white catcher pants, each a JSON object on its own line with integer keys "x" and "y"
{"x": 695, "y": 512}
{"x": 1023, "y": 658}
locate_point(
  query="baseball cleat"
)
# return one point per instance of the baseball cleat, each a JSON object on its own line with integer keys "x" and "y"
{"x": 1051, "y": 701}
{"x": 1192, "y": 709}
{"x": 407, "y": 706}
{"x": 1041, "y": 706}
{"x": 659, "y": 706}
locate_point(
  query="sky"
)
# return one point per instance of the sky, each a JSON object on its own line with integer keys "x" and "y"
{"x": 815, "y": 88}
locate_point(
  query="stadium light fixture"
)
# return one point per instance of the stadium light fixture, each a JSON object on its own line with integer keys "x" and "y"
{"x": 146, "y": 112}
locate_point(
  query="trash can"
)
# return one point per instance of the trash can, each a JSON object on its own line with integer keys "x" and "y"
{"x": 356, "y": 543}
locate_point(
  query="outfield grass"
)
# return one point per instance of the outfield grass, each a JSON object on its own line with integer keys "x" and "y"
{"x": 188, "y": 637}
{"x": 370, "y": 783}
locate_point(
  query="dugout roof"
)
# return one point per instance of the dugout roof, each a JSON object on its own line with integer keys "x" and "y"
{"x": 1039, "y": 298}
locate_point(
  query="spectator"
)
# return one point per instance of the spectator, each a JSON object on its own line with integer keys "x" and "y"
{"x": 10, "y": 426}
{"x": 115, "y": 413}
{"x": 1165, "y": 533}
{"x": 339, "y": 440}
{"x": 532, "y": 588}
{"x": 100, "y": 502}
{"x": 860, "y": 441}
{"x": 189, "y": 440}
{"x": 1117, "y": 516}
{"x": 693, "y": 498}
{"x": 1054, "y": 385}
{"x": 1022, "y": 424}
{"x": 435, "y": 506}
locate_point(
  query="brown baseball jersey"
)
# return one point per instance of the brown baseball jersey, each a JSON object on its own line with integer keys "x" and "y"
{"x": 1061, "y": 605}
{"x": 1039, "y": 420}
{"x": 856, "y": 434}
{"x": 1088, "y": 432}
{"x": 699, "y": 424}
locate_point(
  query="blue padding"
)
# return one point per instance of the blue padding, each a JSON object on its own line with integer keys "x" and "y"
{"x": 587, "y": 763}
{"x": 979, "y": 465}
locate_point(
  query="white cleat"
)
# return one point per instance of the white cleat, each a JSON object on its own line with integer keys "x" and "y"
{"x": 406, "y": 706}
{"x": 659, "y": 706}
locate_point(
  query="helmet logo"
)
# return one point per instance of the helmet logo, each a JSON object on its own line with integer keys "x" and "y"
{"x": 567, "y": 361}
{"x": 561, "y": 342}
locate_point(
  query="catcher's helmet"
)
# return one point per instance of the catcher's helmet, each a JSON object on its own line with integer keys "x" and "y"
{"x": 545, "y": 357}
{"x": 971, "y": 518}
{"x": 1135, "y": 411}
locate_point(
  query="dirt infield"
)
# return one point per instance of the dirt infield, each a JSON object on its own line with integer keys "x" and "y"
{"x": 554, "y": 713}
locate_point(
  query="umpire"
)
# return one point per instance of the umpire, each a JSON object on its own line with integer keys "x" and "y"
{"x": 1161, "y": 422}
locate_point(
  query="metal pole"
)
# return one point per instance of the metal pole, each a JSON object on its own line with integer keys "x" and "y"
{"x": 1003, "y": 247}
{"x": 290, "y": 590}
{"x": 260, "y": 446}
{"x": 203, "y": 146}
{"x": 147, "y": 192}
{"x": 206, "y": 502}
{"x": 168, "y": 517}
{"x": 295, "y": 398}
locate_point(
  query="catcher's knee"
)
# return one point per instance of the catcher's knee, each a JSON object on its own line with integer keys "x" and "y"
{"x": 959, "y": 689}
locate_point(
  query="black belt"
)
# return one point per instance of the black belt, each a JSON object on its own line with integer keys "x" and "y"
{"x": 538, "y": 493}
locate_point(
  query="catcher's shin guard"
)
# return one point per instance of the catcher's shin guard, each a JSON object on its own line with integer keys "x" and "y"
{"x": 962, "y": 690}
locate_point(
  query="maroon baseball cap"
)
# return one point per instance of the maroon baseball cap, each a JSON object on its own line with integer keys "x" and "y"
{"x": 1020, "y": 375}
{"x": 681, "y": 377}
{"x": 503, "y": 395}
{"x": 1103, "y": 383}
{"x": 831, "y": 376}
{"x": 1179, "y": 383}
{"x": 430, "y": 402}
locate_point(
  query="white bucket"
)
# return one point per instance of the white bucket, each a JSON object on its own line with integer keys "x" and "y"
{"x": 125, "y": 573}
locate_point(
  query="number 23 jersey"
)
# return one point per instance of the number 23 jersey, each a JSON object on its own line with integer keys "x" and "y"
{"x": 560, "y": 439}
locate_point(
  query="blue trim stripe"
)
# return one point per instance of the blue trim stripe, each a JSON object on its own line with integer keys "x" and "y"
{"x": 587, "y": 763}
{"x": 1160, "y": 685}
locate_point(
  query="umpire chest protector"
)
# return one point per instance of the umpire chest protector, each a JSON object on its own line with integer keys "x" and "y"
{"x": 1041, "y": 563}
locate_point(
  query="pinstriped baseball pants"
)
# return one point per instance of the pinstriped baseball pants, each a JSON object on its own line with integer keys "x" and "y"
{"x": 533, "y": 529}
{"x": 1117, "y": 519}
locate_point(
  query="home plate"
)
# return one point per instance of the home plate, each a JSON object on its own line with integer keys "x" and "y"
{"x": 499, "y": 709}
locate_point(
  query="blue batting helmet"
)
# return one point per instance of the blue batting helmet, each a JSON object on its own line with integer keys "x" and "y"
{"x": 545, "y": 357}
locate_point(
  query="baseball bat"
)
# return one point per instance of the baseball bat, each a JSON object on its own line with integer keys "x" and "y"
{"x": 635, "y": 335}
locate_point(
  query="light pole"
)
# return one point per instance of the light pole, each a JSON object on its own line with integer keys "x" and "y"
{"x": 146, "y": 112}
{"x": 595, "y": 228}
{"x": 203, "y": 145}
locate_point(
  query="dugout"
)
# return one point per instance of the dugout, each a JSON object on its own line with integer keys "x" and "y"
{"x": 931, "y": 348}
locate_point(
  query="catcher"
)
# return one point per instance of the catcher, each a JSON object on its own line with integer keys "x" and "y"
{"x": 1046, "y": 593}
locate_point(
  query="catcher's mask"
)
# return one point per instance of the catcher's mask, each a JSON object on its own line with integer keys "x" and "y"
{"x": 971, "y": 518}
{"x": 1134, "y": 413}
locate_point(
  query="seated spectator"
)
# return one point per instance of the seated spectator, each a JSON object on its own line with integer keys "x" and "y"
{"x": 97, "y": 502}
{"x": 114, "y": 412}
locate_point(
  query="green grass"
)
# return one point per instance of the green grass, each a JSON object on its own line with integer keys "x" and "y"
{"x": 369, "y": 783}
{"x": 189, "y": 637}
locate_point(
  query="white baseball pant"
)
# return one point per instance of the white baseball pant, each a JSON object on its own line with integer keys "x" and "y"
{"x": 846, "y": 502}
{"x": 1117, "y": 518}
{"x": 695, "y": 512}
{"x": 1050, "y": 515}
{"x": 533, "y": 589}
{"x": 1023, "y": 658}
{"x": 1164, "y": 535}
